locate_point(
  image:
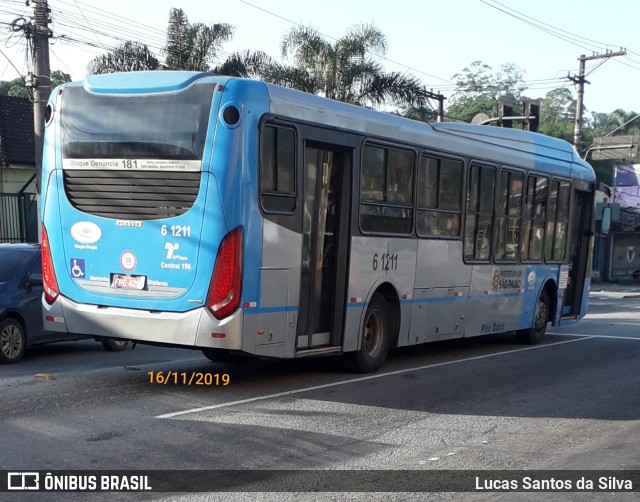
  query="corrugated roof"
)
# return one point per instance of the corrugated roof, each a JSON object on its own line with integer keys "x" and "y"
{"x": 17, "y": 139}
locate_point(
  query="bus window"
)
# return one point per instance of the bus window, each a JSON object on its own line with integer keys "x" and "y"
{"x": 277, "y": 169}
{"x": 386, "y": 190}
{"x": 557, "y": 222}
{"x": 479, "y": 223}
{"x": 508, "y": 212}
{"x": 373, "y": 176}
{"x": 534, "y": 218}
{"x": 439, "y": 186}
{"x": 400, "y": 177}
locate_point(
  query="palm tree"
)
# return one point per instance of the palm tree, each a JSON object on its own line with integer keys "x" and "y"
{"x": 129, "y": 56}
{"x": 622, "y": 122}
{"x": 343, "y": 70}
{"x": 193, "y": 46}
{"x": 246, "y": 64}
{"x": 189, "y": 47}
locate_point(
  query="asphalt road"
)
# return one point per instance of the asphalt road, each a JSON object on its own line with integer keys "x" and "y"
{"x": 485, "y": 403}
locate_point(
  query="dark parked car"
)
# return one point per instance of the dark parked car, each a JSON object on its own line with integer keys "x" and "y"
{"x": 20, "y": 304}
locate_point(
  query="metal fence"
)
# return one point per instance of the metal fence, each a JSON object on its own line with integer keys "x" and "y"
{"x": 18, "y": 217}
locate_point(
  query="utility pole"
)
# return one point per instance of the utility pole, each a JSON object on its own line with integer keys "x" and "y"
{"x": 580, "y": 80}
{"x": 40, "y": 80}
{"x": 440, "y": 98}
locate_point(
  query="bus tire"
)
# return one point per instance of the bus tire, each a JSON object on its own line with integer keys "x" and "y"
{"x": 375, "y": 338}
{"x": 114, "y": 344}
{"x": 535, "y": 334}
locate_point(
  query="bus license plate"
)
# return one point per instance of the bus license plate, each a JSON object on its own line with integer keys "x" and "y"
{"x": 122, "y": 281}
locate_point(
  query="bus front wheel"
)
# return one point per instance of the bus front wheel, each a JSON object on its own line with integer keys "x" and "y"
{"x": 374, "y": 345}
{"x": 535, "y": 334}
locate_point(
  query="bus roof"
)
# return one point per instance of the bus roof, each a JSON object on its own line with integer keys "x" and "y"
{"x": 300, "y": 105}
{"x": 514, "y": 139}
{"x": 455, "y": 137}
{"x": 134, "y": 82}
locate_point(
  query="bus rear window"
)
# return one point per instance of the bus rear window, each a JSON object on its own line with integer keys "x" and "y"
{"x": 145, "y": 126}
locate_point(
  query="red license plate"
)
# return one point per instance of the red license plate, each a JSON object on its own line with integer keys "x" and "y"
{"x": 122, "y": 281}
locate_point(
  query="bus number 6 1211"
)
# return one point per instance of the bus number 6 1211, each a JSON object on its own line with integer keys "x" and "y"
{"x": 385, "y": 261}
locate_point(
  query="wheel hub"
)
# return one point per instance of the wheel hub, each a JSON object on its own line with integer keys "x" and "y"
{"x": 11, "y": 341}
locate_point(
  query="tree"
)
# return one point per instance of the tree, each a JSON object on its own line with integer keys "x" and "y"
{"x": 343, "y": 70}
{"x": 247, "y": 64}
{"x": 616, "y": 123}
{"x": 420, "y": 113}
{"x": 557, "y": 114}
{"x": 16, "y": 87}
{"x": 193, "y": 46}
{"x": 59, "y": 77}
{"x": 129, "y": 56}
{"x": 479, "y": 88}
{"x": 621, "y": 122}
{"x": 189, "y": 47}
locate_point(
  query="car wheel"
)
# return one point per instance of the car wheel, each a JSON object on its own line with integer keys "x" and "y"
{"x": 114, "y": 344}
{"x": 13, "y": 340}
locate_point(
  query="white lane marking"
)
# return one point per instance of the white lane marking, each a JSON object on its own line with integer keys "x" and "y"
{"x": 358, "y": 379}
{"x": 598, "y": 336}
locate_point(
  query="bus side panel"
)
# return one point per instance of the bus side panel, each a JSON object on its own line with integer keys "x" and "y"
{"x": 440, "y": 297}
{"x": 277, "y": 309}
{"x": 365, "y": 273}
{"x": 236, "y": 167}
{"x": 438, "y": 264}
{"x": 401, "y": 262}
{"x": 496, "y": 299}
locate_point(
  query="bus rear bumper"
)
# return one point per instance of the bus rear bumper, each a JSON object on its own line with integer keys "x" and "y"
{"x": 196, "y": 328}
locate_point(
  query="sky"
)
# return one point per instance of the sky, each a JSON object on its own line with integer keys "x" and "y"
{"x": 429, "y": 39}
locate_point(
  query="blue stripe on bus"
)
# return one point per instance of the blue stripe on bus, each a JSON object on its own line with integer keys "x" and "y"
{"x": 448, "y": 299}
{"x": 272, "y": 310}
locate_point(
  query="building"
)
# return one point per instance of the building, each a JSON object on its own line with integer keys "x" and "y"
{"x": 18, "y": 213}
{"x": 17, "y": 145}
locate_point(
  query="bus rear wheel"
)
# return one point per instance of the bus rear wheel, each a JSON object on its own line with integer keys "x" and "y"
{"x": 535, "y": 334}
{"x": 114, "y": 344}
{"x": 375, "y": 338}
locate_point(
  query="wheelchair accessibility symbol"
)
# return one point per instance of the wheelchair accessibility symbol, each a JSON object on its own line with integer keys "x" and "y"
{"x": 77, "y": 268}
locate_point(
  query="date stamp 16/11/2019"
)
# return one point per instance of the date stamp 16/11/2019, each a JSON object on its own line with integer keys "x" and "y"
{"x": 189, "y": 378}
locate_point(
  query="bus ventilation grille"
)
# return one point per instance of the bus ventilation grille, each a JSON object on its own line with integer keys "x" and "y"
{"x": 131, "y": 195}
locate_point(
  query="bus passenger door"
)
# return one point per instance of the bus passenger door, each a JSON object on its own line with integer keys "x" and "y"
{"x": 323, "y": 282}
{"x": 579, "y": 256}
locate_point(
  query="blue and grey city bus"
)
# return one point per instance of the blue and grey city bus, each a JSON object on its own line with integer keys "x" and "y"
{"x": 234, "y": 216}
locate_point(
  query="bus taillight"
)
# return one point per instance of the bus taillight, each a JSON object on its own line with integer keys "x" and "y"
{"x": 48, "y": 273}
{"x": 226, "y": 283}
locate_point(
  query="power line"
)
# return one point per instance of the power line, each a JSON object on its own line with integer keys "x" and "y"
{"x": 564, "y": 35}
{"x": 88, "y": 23}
